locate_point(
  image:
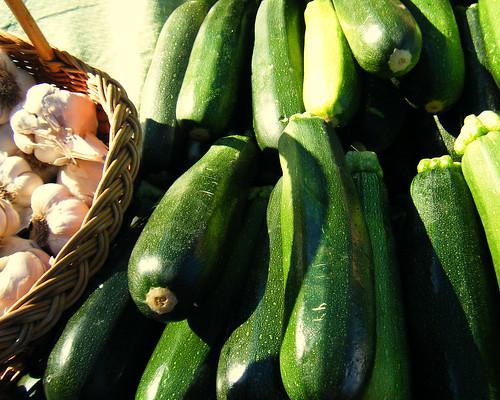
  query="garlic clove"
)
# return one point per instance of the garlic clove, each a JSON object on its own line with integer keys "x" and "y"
{"x": 17, "y": 181}
{"x": 45, "y": 196}
{"x": 34, "y": 103}
{"x": 25, "y": 184}
{"x": 82, "y": 179}
{"x": 20, "y": 272}
{"x": 9, "y": 219}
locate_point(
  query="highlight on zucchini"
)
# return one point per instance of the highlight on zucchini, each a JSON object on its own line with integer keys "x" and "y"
{"x": 479, "y": 144}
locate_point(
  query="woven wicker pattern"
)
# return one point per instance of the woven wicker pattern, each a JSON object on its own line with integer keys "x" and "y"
{"x": 37, "y": 312}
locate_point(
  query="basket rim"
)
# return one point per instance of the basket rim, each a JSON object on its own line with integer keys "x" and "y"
{"x": 124, "y": 130}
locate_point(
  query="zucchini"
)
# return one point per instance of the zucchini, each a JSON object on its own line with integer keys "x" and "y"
{"x": 252, "y": 350}
{"x": 184, "y": 362}
{"x": 177, "y": 255}
{"x": 453, "y": 292}
{"x": 331, "y": 87}
{"x": 93, "y": 358}
{"x": 383, "y": 35}
{"x": 480, "y": 91}
{"x": 489, "y": 15}
{"x": 381, "y": 114}
{"x": 441, "y": 66}
{"x": 277, "y": 71}
{"x": 328, "y": 347}
{"x": 479, "y": 143}
{"x": 210, "y": 86}
{"x": 390, "y": 377}
{"x": 163, "y": 82}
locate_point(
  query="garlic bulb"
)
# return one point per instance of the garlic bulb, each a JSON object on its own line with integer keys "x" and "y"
{"x": 18, "y": 272}
{"x": 7, "y": 144}
{"x": 57, "y": 216}
{"x": 57, "y": 126}
{"x": 9, "y": 219}
{"x": 14, "y": 83}
{"x": 12, "y": 244}
{"x": 81, "y": 179}
{"x": 17, "y": 183}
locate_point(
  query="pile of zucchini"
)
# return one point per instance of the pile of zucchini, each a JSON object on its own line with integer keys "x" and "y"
{"x": 317, "y": 214}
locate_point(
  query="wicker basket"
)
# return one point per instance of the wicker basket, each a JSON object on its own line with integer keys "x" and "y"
{"x": 38, "y": 311}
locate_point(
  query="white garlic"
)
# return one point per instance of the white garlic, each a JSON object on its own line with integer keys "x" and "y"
{"x": 14, "y": 83}
{"x": 57, "y": 126}
{"x": 7, "y": 144}
{"x": 10, "y": 222}
{"x": 12, "y": 244}
{"x": 17, "y": 183}
{"x": 81, "y": 179}
{"x": 18, "y": 273}
{"x": 57, "y": 216}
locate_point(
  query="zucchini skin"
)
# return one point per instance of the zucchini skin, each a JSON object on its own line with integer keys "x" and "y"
{"x": 489, "y": 14}
{"x": 184, "y": 362}
{"x": 454, "y": 290}
{"x": 327, "y": 350}
{"x": 481, "y": 169}
{"x": 162, "y": 136}
{"x": 93, "y": 359}
{"x": 441, "y": 65}
{"x": 181, "y": 245}
{"x": 384, "y": 37}
{"x": 277, "y": 68}
{"x": 390, "y": 377}
{"x": 331, "y": 85}
{"x": 210, "y": 86}
{"x": 253, "y": 347}
{"x": 480, "y": 91}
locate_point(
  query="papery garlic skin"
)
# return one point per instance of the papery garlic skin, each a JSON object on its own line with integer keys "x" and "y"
{"x": 58, "y": 126}
{"x": 10, "y": 221}
{"x": 12, "y": 244}
{"x": 81, "y": 179}
{"x": 14, "y": 83}
{"x": 18, "y": 273}
{"x": 57, "y": 216}
{"x": 7, "y": 144}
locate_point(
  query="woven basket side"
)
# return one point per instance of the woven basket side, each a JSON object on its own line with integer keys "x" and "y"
{"x": 37, "y": 312}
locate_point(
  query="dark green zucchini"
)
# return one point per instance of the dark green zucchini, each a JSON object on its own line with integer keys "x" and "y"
{"x": 105, "y": 344}
{"x": 277, "y": 68}
{"x": 480, "y": 91}
{"x": 184, "y": 362}
{"x": 383, "y": 35}
{"x": 453, "y": 306}
{"x": 210, "y": 87}
{"x": 248, "y": 365}
{"x": 177, "y": 256}
{"x": 328, "y": 347}
{"x": 489, "y": 14}
{"x": 162, "y": 137}
{"x": 390, "y": 377}
{"x": 436, "y": 83}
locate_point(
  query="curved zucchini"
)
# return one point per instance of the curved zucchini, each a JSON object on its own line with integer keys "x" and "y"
{"x": 93, "y": 358}
{"x": 390, "y": 377}
{"x": 456, "y": 293}
{"x": 436, "y": 83}
{"x": 328, "y": 347}
{"x": 489, "y": 15}
{"x": 210, "y": 86}
{"x": 479, "y": 143}
{"x": 184, "y": 362}
{"x": 480, "y": 91}
{"x": 252, "y": 350}
{"x": 383, "y": 35}
{"x": 277, "y": 71}
{"x": 331, "y": 86}
{"x": 163, "y": 83}
{"x": 177, "y": 256}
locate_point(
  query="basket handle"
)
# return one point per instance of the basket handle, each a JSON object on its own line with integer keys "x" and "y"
{"x": 29, "y": 26}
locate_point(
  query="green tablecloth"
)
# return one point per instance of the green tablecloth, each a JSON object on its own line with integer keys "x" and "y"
{"x": 116, "y": 36}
